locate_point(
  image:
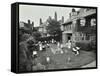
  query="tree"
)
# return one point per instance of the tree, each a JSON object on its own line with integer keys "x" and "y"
{"x": 53, "y": 28}
{"x": 36, "y": 35}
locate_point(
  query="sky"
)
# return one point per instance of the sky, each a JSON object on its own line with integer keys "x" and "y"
{"x": 34, "y": 13}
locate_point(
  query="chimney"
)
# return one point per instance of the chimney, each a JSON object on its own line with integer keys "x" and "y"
{"x": 50, "y": 18}
{"x": 70, "y": 15}
{"x": 28, "y": 21}
{"x": 33, "y": 24}
{"x": 40, "y": 21}
{"x": 62, "y": 19}
{"x": 55, "y": 16}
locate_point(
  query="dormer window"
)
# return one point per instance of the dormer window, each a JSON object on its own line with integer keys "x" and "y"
{"x": 82, "y": 22}
{"x": 93, "y": 22}
{"x": 87, "y": 9}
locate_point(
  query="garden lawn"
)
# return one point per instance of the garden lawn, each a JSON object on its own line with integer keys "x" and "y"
{"x": 66, "y": 60}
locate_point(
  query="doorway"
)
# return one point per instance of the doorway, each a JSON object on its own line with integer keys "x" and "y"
{"x": 69, "y": 36}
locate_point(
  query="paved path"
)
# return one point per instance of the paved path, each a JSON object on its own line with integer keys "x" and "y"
{"x": 92, "y": 64}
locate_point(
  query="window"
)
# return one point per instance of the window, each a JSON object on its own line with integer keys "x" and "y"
{"x": 87, "y": 9}
{"x": 70, "y": 26}
{"x": 66, "y": 28}
{"x": 73, "y": 13}
{"x": 62, "y": 28}
{"x": 93, "y": 22}
{"x": 87, "y": 37}
{"x": 82, "y": 38}
{"x": 82, "y": 22}
{"x": 93, "y": 38}
{"x": 74, "y": 22}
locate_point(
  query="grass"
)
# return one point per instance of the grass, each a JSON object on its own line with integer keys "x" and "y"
{"x": 60, "y": 61}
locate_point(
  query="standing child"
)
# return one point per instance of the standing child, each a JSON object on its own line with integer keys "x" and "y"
{"x": 40, "y": 46}
{"x": 69, "y": 44}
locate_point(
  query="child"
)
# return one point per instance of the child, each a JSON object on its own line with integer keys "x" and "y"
{"x": 34, "y": 54}
{"x": 69, "y": 44}
{"x": 40, "y": 46}
{"x": 48, "y": 59}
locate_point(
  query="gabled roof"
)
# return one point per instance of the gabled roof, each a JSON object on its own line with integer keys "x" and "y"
{"x": 86, "y": 12}
{"x": 83, "y": 12}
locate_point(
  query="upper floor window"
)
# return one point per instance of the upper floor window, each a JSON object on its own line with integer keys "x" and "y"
{"x": 62, "y": 28}
{"x": 93, "y": 38}
{"x": 87, "y": 36}
{"x": 82, "y": 22}
{"x": 70, "y": 27}
{"x": 93, "y": 22}
{"x": 74, "y": 22}
{"x": 73, "y": 13}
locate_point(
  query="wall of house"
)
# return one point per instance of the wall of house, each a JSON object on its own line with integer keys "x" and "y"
{"x": 84, "y": 33}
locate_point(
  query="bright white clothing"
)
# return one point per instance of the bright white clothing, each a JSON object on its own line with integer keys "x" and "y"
{"x": 34, "y": 52}
{"x": 48, "y": 59}
{"x": 74, "y": 49}
{"x": 69, "y": 44}
{"x": 40, "y": 47}
{"x": 58, "y": 44}
{"x": 62, "y": 52}
{"x": 77, "y": 48}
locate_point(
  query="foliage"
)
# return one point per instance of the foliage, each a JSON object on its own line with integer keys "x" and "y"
{"x": 86, "y": 46}
{"x": 53, "y": 27}
{"x": 36, "y": 35}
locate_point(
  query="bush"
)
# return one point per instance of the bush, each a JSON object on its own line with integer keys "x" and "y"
{"x": 86, "y": 46}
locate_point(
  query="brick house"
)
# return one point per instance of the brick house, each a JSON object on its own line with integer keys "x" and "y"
{"x": 80, "y": 27}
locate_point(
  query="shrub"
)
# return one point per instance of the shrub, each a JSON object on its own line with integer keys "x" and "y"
{"x": 85, "y": 46}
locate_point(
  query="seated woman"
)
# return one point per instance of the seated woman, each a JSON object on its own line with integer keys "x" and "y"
{"x": 44, "y": 48}
{"x": 76, "y": 50}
